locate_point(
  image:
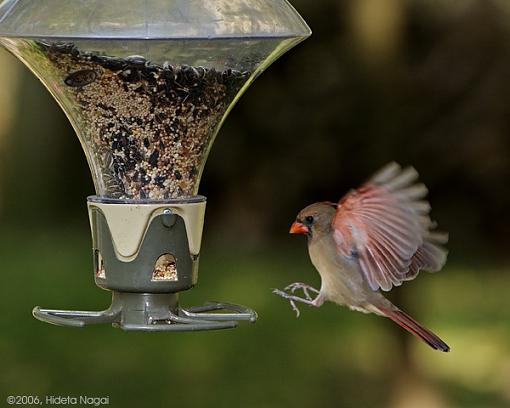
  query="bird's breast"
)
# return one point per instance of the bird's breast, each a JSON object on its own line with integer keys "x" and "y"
{"x": 341, "y": 277}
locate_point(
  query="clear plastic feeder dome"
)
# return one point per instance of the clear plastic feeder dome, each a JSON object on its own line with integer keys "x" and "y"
{"x": 146, "y": 85}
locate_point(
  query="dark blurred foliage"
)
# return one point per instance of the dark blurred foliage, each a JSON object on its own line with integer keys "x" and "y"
{"x": 430, "y": 89}
{"x": 424, "y": 84}
{"x": 328, "y": 114}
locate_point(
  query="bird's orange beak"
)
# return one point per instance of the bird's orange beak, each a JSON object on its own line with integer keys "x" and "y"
{"x": 298, "y": 228}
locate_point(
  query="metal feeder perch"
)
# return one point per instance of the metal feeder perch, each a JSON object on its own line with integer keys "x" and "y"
{"x": 146, "y": 86}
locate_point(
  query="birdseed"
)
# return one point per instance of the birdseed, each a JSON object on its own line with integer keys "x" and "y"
{"x": 146, "y": 126}
{"x": 165, "y": 269}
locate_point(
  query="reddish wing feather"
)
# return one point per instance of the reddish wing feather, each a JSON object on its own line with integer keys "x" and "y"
{"x": 387, "y": 223}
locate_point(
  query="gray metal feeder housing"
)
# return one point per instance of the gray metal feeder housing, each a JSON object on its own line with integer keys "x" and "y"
{"x": 146, "y": 85}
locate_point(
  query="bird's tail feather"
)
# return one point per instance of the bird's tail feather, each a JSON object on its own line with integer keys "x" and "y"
{"x": 415, "y": 328}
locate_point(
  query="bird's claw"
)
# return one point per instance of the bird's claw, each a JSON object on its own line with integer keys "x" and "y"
{"x": 285, "y": 295}
{"x": 292, "y": 298}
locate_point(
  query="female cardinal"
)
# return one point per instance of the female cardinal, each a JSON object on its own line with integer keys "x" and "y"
{"x": 375, "y": 238}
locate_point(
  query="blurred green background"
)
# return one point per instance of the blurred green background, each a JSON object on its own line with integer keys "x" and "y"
{"x": 423, "y": 82}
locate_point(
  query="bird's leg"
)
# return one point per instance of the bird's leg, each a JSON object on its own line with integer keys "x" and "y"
{"x": 317, "y": 302}
{"x": 303, "y": 286}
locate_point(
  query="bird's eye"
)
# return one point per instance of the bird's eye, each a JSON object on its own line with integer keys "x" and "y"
{"x": 309, "y": 219}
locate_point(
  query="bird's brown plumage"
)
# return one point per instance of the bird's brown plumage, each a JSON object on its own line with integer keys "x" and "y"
{"x": 375, "y": 238}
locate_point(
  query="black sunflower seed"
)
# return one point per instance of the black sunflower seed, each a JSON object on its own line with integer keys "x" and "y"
{"x": 80, "y": 78}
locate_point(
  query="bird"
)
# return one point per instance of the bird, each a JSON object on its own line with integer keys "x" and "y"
{"x": 375, "y": 238}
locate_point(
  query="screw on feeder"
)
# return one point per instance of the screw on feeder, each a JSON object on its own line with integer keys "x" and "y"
{"x": 168, "y": 218}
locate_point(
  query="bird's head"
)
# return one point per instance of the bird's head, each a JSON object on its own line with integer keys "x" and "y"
{"x": 315, "y": 218}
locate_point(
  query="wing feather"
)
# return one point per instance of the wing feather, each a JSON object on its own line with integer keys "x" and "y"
{"x": 386, "y": 221}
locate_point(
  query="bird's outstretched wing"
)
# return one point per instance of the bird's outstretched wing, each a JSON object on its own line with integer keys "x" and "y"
{"x": 386, "y": 224}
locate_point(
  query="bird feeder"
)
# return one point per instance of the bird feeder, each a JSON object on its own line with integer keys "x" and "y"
{"x": 146, "y": 85}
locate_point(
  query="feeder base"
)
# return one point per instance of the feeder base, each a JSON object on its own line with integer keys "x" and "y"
{"x": 152, "y": 312}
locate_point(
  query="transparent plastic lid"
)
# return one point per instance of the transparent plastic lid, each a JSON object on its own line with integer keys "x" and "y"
{"x": 150, "y": 19}
{"x": 147, "y": 84}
